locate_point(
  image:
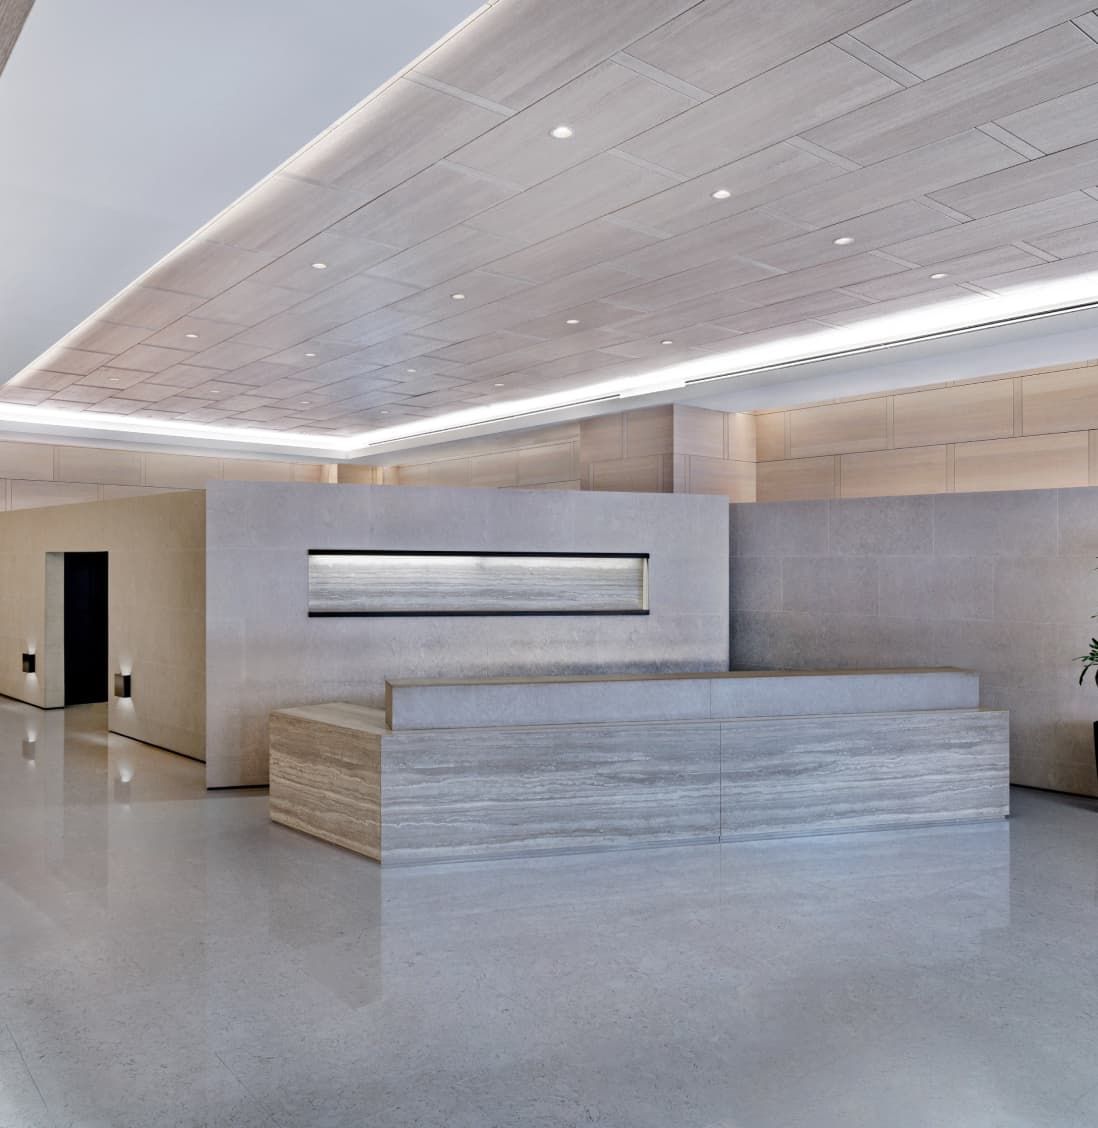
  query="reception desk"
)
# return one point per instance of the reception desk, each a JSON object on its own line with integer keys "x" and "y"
{"x": 460, "y": 769}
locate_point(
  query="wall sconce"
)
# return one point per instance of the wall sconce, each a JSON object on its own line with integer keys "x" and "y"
{"x": 30, "y": 747}
{"x": 29, "y": 663}
{"x": 123, "y": 685}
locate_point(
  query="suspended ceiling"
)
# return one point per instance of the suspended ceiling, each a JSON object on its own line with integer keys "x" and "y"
{"x": 438, "y": 257}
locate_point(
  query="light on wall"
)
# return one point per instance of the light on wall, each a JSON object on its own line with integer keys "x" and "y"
{"x": 30, "y": 663}
{"x": 30, "y": 747}
{"x": 123, "y": 685}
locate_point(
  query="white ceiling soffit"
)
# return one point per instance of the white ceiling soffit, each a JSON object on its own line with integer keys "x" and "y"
{"x": 735, "y": 194}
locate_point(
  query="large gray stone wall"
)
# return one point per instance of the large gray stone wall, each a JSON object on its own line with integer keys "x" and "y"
{"x": 1001, "y": 583}
{"x": 264, "y": 653}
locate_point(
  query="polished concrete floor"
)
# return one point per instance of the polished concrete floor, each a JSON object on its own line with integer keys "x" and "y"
{"x": 169, "y": 957}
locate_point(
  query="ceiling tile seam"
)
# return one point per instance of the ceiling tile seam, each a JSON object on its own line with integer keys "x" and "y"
{"x": 883, "y": 253}
{"x": 875, "y": 59}
{"x": 1029, "y": 249}
{"x": 664, "y": 78}
{"x": 996, "y": 132}
{"x": 461, "y": 95}
{"x": 828, "y": 155}
{"x": 1088, "y": 24}
{"x": 649, "y": 166}
{"x": 945, "y": 209}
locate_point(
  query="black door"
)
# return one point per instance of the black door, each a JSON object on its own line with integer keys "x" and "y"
{"x": 85, "y": 627}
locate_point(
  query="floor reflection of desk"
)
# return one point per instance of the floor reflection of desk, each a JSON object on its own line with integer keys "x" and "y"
{"x": 458, "y": 769}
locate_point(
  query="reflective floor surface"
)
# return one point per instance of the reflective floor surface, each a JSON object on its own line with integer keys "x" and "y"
{"x": 171, "y": 958}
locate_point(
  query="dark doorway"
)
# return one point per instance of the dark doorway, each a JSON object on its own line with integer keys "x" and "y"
{"x": 85, "y": 627}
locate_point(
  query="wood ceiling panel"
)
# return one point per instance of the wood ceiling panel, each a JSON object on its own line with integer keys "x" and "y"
{"x": 1046, "y": 272}
{"x": 280, "y": 213}
{"x": 560, "y": 298}
{"x": 248, "y": 303}
{"x": 1055, "y": 62}
{"x": 372, "y": 327}
{"x": 564, "y": 254}
{"x": 107, "y": 337}
{"x": 483, "y": 346}
{"x": 966, "y": 269}
{"x": 480, "y": 288}
{"x": 752, "y": 38}
{"x": 1080, "y": 240}
{"x": 342, "y": 256}
{"x": 203, "y": 268}
{"x": 228, "y": 355}
{"x": 735, "y": 235}
{"x": 191, "y": 334}
{"x": 583, "y": 193}
{"x": 607, "y": 105}
{"x": 753, "y": 181}
{"x": 424, "y": 205}
{"x": 1030, "y": 183}
{"x": 1028, "y": 223}
{"x": 820, "y": 305}
{"x": 109, "y": 379}
{"x": 400, "y": 131}
{"x": 814, "y": 280}
{"x": 455, "y": 251}
{"x": 556, "y": 42}
{"x": 928, "y": 37}
{"x": 805, "y": 92}
{"x": 148, "y": 307}
{"x": 869, "y": 232}
{"x": 926, "y": 170}
{"x": 698, "y": 282}
{"x": 78, "y": 362}
{"x": 1059, "y": 123}
{"x": 150, "y": 358}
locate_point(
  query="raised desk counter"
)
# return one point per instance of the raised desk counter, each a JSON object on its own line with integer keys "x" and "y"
{"x": 474, "y": 768}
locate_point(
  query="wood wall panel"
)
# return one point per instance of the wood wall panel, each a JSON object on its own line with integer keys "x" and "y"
{"x": 547, "y": 464}
{"x": 877, "y": 473}
{"x": 494, "y": 470}
{"x": 1060, "y": 401}
{"x": 649, "y": 431}
{"x": 697, "y": 431}
{"x": 734, "y": 480}
{"x": 640, "y": 475}
{"x": 1032, "y": 463}
{"x": 26, "y": 460}
{"x": 796, "y": 479}
{"x": 770, "y": 436}
{"x": 85, "y": 464}
{"x": 740, "y": 436}
{"x": 602, "y": 438}
{"x": 953, "y": 415}
{"x": 838, "y": 428}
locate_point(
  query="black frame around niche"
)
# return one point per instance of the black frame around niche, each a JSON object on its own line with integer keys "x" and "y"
{"x": 645, "y": 556}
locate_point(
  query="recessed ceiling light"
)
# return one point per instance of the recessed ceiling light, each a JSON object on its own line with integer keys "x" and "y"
{"x": 721, "y": 194}
{"x": 305, "y": 403}
{"x": 667, "y": 341}
{"x": 561, "y": 132}
{"x": 843, "y": 240}
{"x": 497, "y": 385}
{"x": 572, "y": 321}
{"x": 384, "y": 413}
{"x": 191, "y": 336}
{"x": 320, "y": 266}
{"x": 410, "y": 371}
{"x": 940, "y": 274}
{"x": 458, "y": 297}
{"x": 310, "y": 356}
{"x": 112, "y": 379}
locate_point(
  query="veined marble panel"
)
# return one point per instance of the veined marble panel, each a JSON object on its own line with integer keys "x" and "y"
{"x": 452, "y": 794}
{"x": 490, "y": 583}
{"x": 818, "y": 775}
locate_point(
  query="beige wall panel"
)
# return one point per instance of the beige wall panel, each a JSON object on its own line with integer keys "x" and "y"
{"x": 26, "y": 460}
{"x": 649, "y": 431}
{"x": 181, "y": 471}
{"x": 494, "y": 469}
{"x": 1060, "y": 401}
{"x": 90, "y": 464}
{"x": 770, "y": 436}
{"x": 30, "y": 495}
{"x": 1033, "y": 463}
{"x": 637, "y": 475}
{"x": 255, "y": 470}
{"x": 917, "y": 470}
{"x": 740, "y": 436}
{"x": 699, "y": 431}
{"x": 838, "y": 428}
{"x": 795, "y": 479}
{"x": 953, "y": 415}
{"x": 572, "y": 484}
{"x": 455, "y": 472}
{"x": 731, "y": 479}
{"x": 110, "y": 493}
{"x": 602, "y": 438}
{"x": 360, "y": 475}
{"x": 157, "y": 607}
{"x": 5, "y": 499}
{"x": 308, "y": 472}
{"x": 547, "y": 464}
